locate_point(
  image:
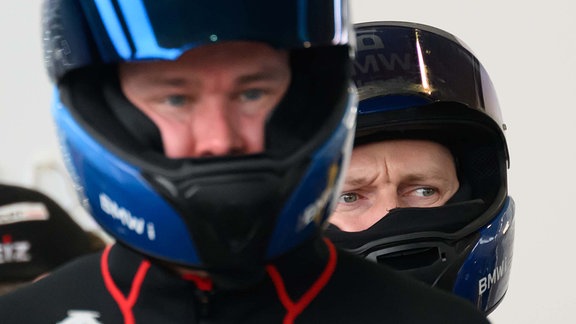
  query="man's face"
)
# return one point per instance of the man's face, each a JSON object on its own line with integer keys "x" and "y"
{"x": 390, "y": 174}
{"x": 214, "y": 100}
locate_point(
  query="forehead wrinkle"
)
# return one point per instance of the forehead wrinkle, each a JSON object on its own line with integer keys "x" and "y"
{"x": 367, "y": 175}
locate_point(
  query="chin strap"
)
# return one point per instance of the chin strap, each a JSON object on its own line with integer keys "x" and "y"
{"x": 294, "y": 309}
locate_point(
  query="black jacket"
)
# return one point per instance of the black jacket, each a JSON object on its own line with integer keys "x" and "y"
{"x": 309, "y": 285}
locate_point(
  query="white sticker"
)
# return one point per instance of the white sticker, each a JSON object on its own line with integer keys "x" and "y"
{"x": 81, "y": 317}
{"x": 23, "y": 212}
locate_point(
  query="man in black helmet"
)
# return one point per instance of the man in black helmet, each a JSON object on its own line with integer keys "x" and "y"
{"x": 426, "y": 190}
{"x": 209, "y": 138}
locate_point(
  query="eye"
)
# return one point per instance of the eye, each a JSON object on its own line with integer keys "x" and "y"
{"x": 348, "y": 197}
{"x": 176, "y": 100}
{"x": 425, "y": 192}
{"x": 252, "y": 94}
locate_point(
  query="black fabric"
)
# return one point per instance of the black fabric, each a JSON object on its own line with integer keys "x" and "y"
{"x": 97, "y": 102}
{"x": 358, "y": 292}
{"x": 134, "y": 120}
{"x": 445, "y": 219}
{"x": 314, "y": 103}
{"x": 36, "y": 235}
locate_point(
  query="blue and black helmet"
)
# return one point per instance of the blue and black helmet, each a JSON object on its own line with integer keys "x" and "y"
{"x": 226, "y": 215}
{"x": 416, "y": 81}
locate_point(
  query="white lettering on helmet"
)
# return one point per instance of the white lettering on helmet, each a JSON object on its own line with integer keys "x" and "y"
{"x": 313, "y": 212}
{"x": 485, "y": 283}
{"x": 128, "y": 220}
{"x": 374, "y": 63}
{"x": 81, "y": 316}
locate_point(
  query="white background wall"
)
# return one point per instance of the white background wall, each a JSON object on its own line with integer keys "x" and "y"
{"x": 529, "y": 49}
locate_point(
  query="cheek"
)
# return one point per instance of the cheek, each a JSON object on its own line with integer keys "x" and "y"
{"x": 175, "y": 146}
{"x": 450, "y": 191}
{"x": 252, "y": 131}
{"x": 344, "y": 220}
{"x": 442, "y": 201}
{"x": 357, "y": 220}
{"x": 176, "y": 137}
{"x": 352, "y": 217}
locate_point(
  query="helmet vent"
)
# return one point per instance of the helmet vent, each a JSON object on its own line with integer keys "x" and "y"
{"x": 414, "y": 258}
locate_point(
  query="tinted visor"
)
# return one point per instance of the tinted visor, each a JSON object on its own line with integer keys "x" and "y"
{"x": 164, "y": 29}
{"x": 404, "y": 60}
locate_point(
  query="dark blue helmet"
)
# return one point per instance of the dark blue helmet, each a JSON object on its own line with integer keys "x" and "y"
{"x": 416, "y": 81}
{"x": 226, "y": 215}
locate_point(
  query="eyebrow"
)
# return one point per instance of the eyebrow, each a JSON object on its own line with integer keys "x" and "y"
{"x": 357, "y": 181}
{"x": 432, "y": 175}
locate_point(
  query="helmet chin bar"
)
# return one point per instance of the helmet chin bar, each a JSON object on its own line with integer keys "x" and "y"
{"x": 229, "y": 216}
{"x": 475, "y": 266}
{"x": 401, "y": 224}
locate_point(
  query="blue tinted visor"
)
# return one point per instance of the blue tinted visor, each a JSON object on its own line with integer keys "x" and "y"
{"x": 152, "y": 29}
{"x": 397, "y": 60}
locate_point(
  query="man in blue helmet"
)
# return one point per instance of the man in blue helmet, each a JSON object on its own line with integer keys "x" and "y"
{"x": 208, "y": 138}
{"x": 426, "y": 190}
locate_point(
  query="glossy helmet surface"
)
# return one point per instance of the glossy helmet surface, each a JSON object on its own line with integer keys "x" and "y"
{"x": 227, "y": 215}
{"x": 416, "y": 81}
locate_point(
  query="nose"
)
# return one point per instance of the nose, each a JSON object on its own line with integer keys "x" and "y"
{"x": 215, "y": 131}
{"x": 388, "y": 201}
{"x": 385, "y": 201}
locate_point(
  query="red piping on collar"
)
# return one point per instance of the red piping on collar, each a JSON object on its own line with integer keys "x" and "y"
{"x": 124, "y": 303}
{"x": 293, "y": 309}
{"x": 204, "y": 284}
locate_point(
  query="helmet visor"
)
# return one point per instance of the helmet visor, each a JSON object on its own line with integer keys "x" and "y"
{"x": 150, "y": 29}
{"x": 416, "y": 62}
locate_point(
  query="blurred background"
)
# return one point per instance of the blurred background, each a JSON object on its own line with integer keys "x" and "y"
{"x": 528, "y": 48}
